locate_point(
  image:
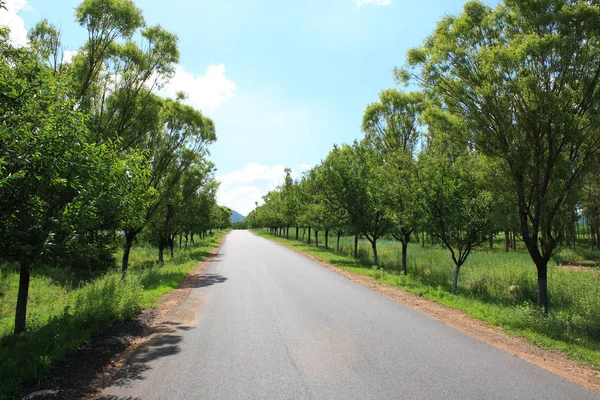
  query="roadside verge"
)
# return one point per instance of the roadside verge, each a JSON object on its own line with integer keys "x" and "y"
{"x": 97, "y": 362}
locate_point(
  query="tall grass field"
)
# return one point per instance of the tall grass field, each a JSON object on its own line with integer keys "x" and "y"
{"x": 572, "y": 325}
{"x": 63, "y": 314}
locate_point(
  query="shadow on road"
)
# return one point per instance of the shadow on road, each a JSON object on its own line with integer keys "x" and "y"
{"x": 204, "y": 280}
{"x": 165, "y": 343}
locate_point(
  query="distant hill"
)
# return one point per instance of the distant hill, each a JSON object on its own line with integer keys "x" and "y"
{"x": 236, "y": 216}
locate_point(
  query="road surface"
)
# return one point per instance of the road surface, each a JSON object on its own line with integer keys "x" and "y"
{"x": 275, "y": 325}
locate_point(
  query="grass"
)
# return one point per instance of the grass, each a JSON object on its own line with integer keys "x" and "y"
{"x": 63, "y": 315}
{"x": 572, "y": 325}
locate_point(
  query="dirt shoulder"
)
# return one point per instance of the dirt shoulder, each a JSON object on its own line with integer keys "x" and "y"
{"x": 552, "y": 361}
{"x": 95, "y": 364}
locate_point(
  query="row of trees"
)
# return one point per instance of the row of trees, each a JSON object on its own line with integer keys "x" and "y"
{"x": 502, "y": 136}
{"x": 90, "y": 155}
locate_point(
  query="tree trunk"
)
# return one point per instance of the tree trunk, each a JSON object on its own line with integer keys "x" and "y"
{"x": 161, "y": 248}
{"x": 317, "y": 238}
{"x": 514, "y": 239}
{"x": 375, "y": 256}
{"x": 22, "y": 297}
{"x": 355, "y": 246}
{"x": 423, "y": 239}
{"x": 309, "y": 235}
{"x": 491, "y": 241}
{"x": 404, "y": 247}
{"x": 171, "y": 245}
{"x": 296, "y": 232}
{"x": 192, "y": 238}
{"x": 303, "y": 233}
{"x": 326, "y": 238}
{"x": 337, "y": 245}
{"x": 542, "y": 295}
{"x": 186, "y": 240}
{"x": 455, "y": 281}
{"x": 129, "y": 238}
{"x": 287, "y": 232}
{"x": 506, "y": 241}
{"x": 180, "y": 239}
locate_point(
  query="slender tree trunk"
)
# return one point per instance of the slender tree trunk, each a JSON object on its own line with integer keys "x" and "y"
{"x": 296, "y": 232}
{"x": 171, "y": 245}
{"x": 161, "y": 248}
{"x": 309, "y": 235}
{"x": 303, "y": 233}
{"x": 129, "y": 238}
{"x": 542, "y": 287}
{"x": 514, "y": 237}
{"x": 186, "y": 240}
{"x": 491, "y": 241}
{"x": 22, "y": 297}
{"x": 404, "y": 247}
{"x": 180, "y": 239}
{"x": 375, "y": 256}
{"x": 192, "y": 238}
{"x": 506, "y": 241}
{"x": 316, "y": 238}
{"x": 337, "y": 245}
{"x": 355, "y": 246}
{"x": 423, "y": 239}
{"x": 455, "y": 281}
{"x": 287, "y": 232}
{"x": 326, "y": 238}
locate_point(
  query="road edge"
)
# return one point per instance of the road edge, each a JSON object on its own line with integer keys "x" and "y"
{"x": 157, "y": 326}
{"x": 552, "y": 361}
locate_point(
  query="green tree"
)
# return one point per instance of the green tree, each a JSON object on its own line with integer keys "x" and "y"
{"x": 525, "y": 76}
{"x": 357, "y": 182}
{"x": 50, "y": 169}
{"x": 449, "y": 190}
{"x": 392, "y": 128}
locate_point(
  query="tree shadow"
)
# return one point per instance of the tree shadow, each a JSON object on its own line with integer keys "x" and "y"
{"x": 203, "y": 280}
{"x": 164, "y": 344}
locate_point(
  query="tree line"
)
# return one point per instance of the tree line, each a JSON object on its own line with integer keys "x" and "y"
{"x": 90, "y": 155}
{"x": 501, "y": 136}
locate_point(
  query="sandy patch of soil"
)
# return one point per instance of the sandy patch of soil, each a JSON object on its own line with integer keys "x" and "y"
{"x": 552, "y": 361}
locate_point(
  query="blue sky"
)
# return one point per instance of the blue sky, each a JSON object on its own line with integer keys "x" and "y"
{"x": 283, "y": 80}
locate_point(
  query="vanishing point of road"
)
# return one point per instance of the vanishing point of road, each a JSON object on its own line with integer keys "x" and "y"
{"x": 273, "y": 324}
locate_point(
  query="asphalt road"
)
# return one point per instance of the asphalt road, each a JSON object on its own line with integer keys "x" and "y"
{"x": 275, "y": 325}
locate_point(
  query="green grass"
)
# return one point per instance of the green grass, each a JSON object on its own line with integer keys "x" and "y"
{"x": 572, "y": 325}
{"x": 63, "y": 315}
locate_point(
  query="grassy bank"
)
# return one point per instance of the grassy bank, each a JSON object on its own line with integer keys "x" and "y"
{"x": 63, "y": 315}
{"x": 572, "y": 325}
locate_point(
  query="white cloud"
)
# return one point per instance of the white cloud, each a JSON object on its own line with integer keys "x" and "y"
{"x": 205, "y": 92}
{"x": 10, "y": 17}
{"x": 376, "y": 2}
{"x": 305, "y": 167}
{"x": 240, "y": 189}
{"x": 68, "y": 55}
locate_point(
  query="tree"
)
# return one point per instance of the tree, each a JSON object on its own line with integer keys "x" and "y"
{"x": 357, "y": 182}
{"x": 525, "y": 77}
{"x": 449, "y": 190}
{"x": 392, "y": 129}
{"x": 182, "y": 139}
{"x": 50, "y": 169}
